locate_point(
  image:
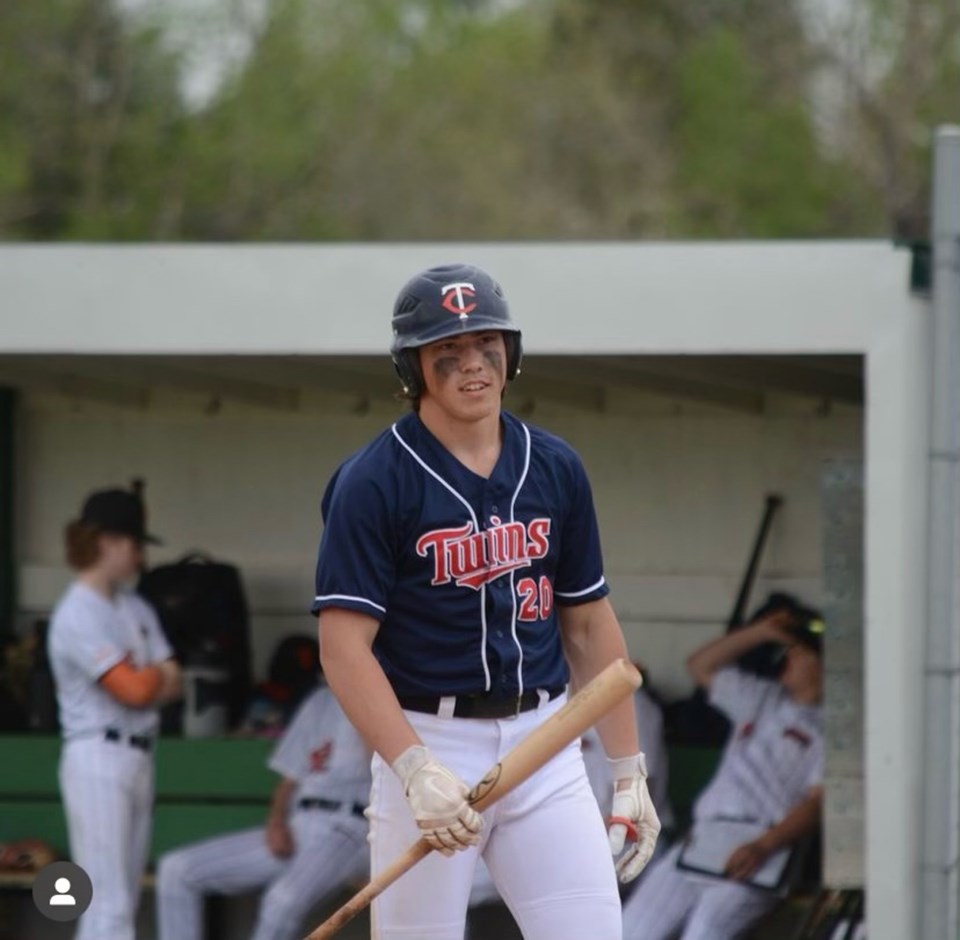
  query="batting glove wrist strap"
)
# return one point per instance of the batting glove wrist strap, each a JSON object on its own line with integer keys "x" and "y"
{"x": 633, "y": 817}
{"x": 409, "y": 762}
{"x": 438, "y": 801}
{"x": 624, "y": 768}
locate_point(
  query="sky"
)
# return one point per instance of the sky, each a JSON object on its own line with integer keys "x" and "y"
{"x": 213, "y": 37}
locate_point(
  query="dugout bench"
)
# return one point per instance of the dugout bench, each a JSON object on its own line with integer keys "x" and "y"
{"x": 208, "y": 786}
{"x": 203, "y": 787}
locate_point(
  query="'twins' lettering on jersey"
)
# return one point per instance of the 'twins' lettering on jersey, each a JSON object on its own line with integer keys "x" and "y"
{"x": 465, "y": 574}
{"x": 472, "y": 559}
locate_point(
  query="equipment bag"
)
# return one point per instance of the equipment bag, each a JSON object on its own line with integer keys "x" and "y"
{"x": 203, "y": 610}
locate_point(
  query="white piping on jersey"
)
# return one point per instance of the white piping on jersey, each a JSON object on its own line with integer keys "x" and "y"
{"x": 476, "y": 526}
{"x": 592, "y": 587}
{"x": 349, "y": 597}
{"x": 513, "y": 593}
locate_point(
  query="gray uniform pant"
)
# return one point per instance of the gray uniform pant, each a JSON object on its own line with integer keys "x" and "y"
{"x": 330, "y": 852}
{"x": 669, "y": 899}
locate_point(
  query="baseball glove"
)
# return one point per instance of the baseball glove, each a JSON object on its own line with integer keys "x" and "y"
{"x": 26, "y": 855}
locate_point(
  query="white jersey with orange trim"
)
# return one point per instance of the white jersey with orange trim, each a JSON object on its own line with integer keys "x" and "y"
{"x": 90, "y": 634}
{"x": 106, "y": 764}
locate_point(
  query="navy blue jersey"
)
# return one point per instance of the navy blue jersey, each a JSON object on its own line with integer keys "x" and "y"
{"x": 464, "y": 573}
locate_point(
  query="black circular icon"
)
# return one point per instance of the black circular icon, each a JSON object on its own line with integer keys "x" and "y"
{"x": 62, "y": 891}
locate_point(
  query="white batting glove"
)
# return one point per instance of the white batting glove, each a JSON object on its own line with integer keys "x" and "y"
{"x": 438, "y": 799}
{"x": 632, "y": 817}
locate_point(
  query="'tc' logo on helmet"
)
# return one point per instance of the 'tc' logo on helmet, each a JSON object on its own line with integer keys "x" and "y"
{"x": 455, "y": 298}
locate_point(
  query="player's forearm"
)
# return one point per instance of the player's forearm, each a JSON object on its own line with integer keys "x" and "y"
{"x": 592, "y": 639}
{"x": 363, "y": 690}
{"x": 704, "y": 662}
{"x": 280, "y": 801}
{"x": 133, "y": 686}
{"x": 800, "y": 821}
{"x": 171, "y": 682}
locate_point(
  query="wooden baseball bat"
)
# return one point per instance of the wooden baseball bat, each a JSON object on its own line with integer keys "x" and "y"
{"x": 591, "y": 703}
{"x": 771, "y": 503}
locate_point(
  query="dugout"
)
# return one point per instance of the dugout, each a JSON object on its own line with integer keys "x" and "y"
{"x": 693, "y": 378}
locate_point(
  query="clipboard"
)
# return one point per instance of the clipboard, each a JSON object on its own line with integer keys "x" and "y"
{"x": 712, "y": 841}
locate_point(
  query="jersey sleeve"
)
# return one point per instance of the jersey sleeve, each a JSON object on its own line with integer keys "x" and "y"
{"x": 579, "y": 577}
{"x": 738, "y": 694}
{"x": 816, "y": 770}
{"x": 159, "y": 646}
{"x": 287, "y": 757}
{"x": 88, "y": 647}
{"x": 356, "y": 560}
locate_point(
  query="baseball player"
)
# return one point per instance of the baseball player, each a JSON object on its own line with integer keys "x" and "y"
{"x": 113, "y": 669}
{"x": 313, "y": 843}
{"x": 771, "y": 774}
{"x": 459, "y": 587}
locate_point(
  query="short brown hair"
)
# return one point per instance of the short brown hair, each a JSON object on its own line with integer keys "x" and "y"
{"x": 82, "y": 542}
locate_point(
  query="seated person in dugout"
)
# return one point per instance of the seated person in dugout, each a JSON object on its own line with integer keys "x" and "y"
{"x": 769, "y": 780}
{"x": 313, "y": 844}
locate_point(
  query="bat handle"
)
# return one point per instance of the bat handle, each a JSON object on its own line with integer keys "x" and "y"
{"x": 361, "y": 900}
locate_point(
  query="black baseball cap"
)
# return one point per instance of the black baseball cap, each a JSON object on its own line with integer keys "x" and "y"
{"x": 809, "y": 631}
{"x": 119, "y": 512}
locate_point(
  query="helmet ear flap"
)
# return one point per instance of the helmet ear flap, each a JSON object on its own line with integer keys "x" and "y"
{"x": 514, "y": 354}
{"x": 407, "y": 364}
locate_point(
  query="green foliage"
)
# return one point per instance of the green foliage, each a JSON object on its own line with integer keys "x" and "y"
{"x": 747, "y": 161}
{"x": 86, "y": 113}
{"x": 425, "y": 119}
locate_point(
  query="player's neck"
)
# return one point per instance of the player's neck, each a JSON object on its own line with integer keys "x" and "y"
{"x": 476, "y": 444}
{"x": 807, "y": 695}
{"x": 99, "y": 581}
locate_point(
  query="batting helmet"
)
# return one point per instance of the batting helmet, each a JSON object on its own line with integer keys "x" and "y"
{"x": 447, "y": 301}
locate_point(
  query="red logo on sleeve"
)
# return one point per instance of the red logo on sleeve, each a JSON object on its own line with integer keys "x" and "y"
{"x": 320, "y": 757}
{"x": 802, "y": 738}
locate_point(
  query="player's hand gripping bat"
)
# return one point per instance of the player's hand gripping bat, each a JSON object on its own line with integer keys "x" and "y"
{"x": 591, "y": 703}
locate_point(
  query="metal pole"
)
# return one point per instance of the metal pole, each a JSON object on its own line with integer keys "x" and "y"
{"x": 939, "y": 884}
{"x": 8, "y": 580}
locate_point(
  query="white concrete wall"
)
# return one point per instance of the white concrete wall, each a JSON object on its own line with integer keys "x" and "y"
{"x": 679, "y": 490}
{"x": 597, "y": 297}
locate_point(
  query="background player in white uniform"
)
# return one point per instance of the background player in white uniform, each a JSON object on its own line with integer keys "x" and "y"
{"x": 771, "y": 773}
{"x": 314, "y": 841}
{"x": 459, "y": 586}
{"x": 112, "y": 666}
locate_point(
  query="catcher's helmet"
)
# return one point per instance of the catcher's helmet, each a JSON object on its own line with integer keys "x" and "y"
{"x": 447, "y": 301}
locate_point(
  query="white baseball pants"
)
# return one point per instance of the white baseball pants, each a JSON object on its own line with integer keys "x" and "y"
{"x": 545, "y": 843}
{"x": 107, "y": 790}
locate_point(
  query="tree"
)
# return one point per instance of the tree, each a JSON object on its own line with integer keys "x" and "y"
{"x": 88, "y": 116}
{"x": 725, "y": 87}
{"x": 893, "y": 68}
{"x": 425, "y": 119}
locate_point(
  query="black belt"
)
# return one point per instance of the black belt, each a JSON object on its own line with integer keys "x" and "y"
{"x": 334, "y": 806}
{"x": 140, "y": 741}
{"x": 483, "y": 705}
